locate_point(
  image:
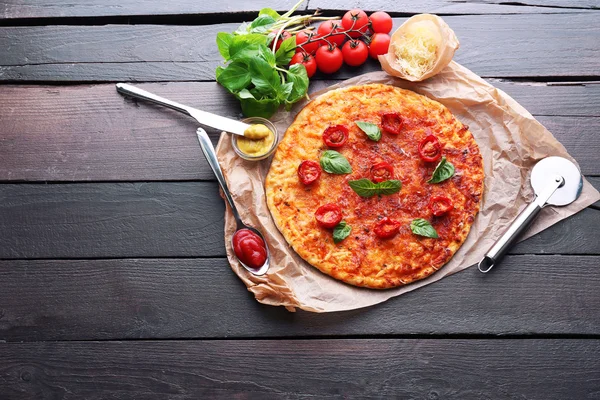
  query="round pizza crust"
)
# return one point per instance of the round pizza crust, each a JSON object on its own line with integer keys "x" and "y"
{"x": 363, "y": 259}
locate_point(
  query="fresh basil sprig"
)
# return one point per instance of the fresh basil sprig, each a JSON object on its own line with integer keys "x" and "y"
{"x": 335, "y": 163}
{"x": 371, "y": 130}
{"x": 341, "y": 231}
{"x": 443, "y": 171}
{"x": 366, "y": 188}
{"x": 422, "y": 227}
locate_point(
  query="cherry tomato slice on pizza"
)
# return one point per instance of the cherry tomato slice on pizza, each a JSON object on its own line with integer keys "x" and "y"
{"x": 335, "y": 136}
{"x": 440, "y": 205}
{"x": 391, "y": 123}
{"x": 387, "y": 228}
{"x": 309, "y": 171}
{"x": 430, "y": 149}
{"x": 382, "y": 171}
{"x": 328, "y": 215}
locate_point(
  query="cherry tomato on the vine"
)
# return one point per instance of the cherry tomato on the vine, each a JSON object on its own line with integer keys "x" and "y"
{"x": 356, "y": 20}
{"x": 333, "y": 27}
{"x": 329, "y": 59}
{"x": 381, "y": 22}
{"x": 301, "y": 40}
{"x": 284, "y": 35}
{"x": 379, "y": 44}
{"x": 355, "y": 52}
{"x": 307, "y": 60}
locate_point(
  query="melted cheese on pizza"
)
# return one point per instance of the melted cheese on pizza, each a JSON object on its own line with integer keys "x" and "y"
{"x": 363, "y": 259}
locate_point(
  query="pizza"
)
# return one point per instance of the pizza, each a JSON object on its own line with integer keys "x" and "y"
{"x": 375, "y": 185}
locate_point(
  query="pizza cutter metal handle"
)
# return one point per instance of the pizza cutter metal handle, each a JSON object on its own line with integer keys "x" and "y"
{"x": 519, "y": 225}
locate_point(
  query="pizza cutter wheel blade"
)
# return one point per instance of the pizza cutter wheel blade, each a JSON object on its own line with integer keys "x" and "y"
{"x": 556, "y": 181}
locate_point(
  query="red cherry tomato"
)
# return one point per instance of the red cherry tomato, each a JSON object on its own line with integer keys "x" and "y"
{"x": 333, "y": 27}
{"x": 249, "y": 248}
{"x": 430, "y": 149}
{"x": 335, "y": 136}
{"x": 355, "y": 53}
{"x": 284, "y": 35}
{"x": 356, "y": 20}
{"x": 303, "y": 37}
{"x": 309, "y": 171}
{"x": 380, "y": 42}
{"x": 392, "y": 123}
{"x": 387, "y": 228}
{"x": 381, "y": 22}
{"x": 440, "y": 205}
{"x": 329, "y": 215}
{"x": 329, "y": 59}
{"x": 382, "y": 171}
{"x": 307, "y": 60}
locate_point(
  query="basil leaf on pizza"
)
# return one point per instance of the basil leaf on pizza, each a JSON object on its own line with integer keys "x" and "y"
{"x": 335, "y": 163}
{"x": 371, "y": 130}
{"x": 341, "y": 231}
{"x": 366, "y": 188}
{"x": 422, "y": 227}
{"x": 443, "y": 171}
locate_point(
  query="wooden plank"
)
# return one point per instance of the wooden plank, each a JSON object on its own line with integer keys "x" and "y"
{"x": 90, "y": 132}
{"x": 202, "y": 298}
{"x": 299, "y": 369}
{"x": 18, "y": 9}
{"x": 15, "y": 9}
{"x": 540, "y": 45}
{"x": 166, "y": 219}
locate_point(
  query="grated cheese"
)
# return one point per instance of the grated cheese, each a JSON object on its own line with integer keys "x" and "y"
{"x": 416, "y": 50}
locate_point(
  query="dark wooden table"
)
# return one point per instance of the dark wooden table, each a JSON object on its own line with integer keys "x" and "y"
{"x": 113, "y": 281}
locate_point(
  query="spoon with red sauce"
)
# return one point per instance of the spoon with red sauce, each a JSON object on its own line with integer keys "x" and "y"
{"x": 248, "y": 243}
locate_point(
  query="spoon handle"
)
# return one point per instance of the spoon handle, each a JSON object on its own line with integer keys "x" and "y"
{"x": 211, "y": 157}
{"x": 133, "y": 91}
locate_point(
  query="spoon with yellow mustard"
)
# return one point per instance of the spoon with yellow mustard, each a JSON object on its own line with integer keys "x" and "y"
{"x": 253, "y": 132}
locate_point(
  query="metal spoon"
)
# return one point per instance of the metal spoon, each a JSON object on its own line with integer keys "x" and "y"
{"x": 211, "y": 157}
{"x": 203, "y": 117}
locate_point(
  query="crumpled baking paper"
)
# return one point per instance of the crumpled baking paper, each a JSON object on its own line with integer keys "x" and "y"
{"x": 511, "y": 142}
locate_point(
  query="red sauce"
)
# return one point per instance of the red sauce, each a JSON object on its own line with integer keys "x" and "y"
{"x": 249, "y": 248}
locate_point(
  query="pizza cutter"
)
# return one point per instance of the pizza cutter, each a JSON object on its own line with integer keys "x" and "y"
{"x": 556, "y": 181}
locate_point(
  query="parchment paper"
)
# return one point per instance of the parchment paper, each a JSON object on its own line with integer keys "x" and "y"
{"x": 510, "y": 140}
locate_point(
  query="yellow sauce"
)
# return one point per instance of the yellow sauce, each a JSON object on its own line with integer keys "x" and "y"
{"x": 257, "y": 140}
{"x": 257, "y": 131}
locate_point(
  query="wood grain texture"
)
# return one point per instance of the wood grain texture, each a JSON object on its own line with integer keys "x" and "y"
{"x": 300, "y": 369}
{"x": 202, "y": 298}
{"x": 538, "y": 45}
{"x": 91, "y": 133}
{"x": 166, "y": 219}
{"x": 15, "y": 9}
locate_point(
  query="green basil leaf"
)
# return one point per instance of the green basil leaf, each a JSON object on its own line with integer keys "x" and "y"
{"x": 341, "y": 232}
{"x": 234, "y": 77}
{"x": 286, "y": 51}
{"x": 224, "y": 39}
{"x": 218, "y": 72}
{"x": 246, "y": 47}
{"x": 270, "y": 12}
{"x": 262, "y": 24}
{"x": 389, "y": 187}
{"x": 267, "y": 54}
{"x": 242, "y": 29}
{"x": 297, "y": 75}
{"x": 371, "y": 130}
{"x": 264, "y": 77}
{"x": 335, "y": 163}
{"x": 364, "y": 187}
{"x": 285, "y": 91}
{"x": 443, "y": 171}
{"x": 252, "y": 107}
{"x": 422, "y": 227}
